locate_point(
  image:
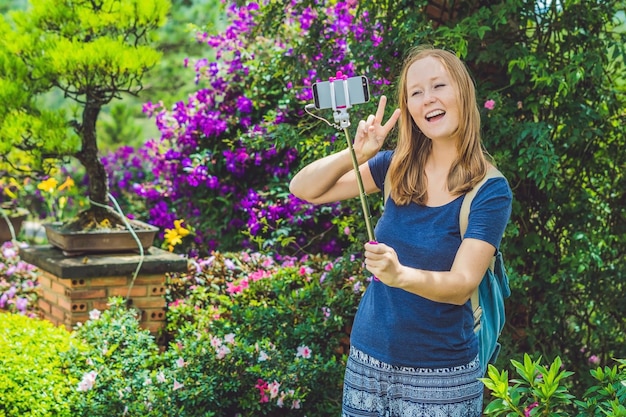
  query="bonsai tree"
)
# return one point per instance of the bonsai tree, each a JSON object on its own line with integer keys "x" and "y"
{"x": 88, "y": 52}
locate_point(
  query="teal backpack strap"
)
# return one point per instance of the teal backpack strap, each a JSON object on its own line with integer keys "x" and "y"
{"x": 463, "y": 220}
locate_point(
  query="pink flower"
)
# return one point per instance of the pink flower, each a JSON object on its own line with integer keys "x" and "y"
{"x": 529, "y": 408}
{"x": 262, "y": 386}
{"x": 94, "y": 314}
{"x": 233, "y": 289}
{"x": 222, "y": 351}
{"x": 180, "y": 362}
{"x": 594, "y": 360}
{"x": 88, "y": 381}
{"x": 274, "y": 388}
{"x": 177, "y": 385}
{"x": 303, "y": 352}
{"x": 305, "y": 270}
{"x": 216, "y": 342}
{"x": 257, "y": 275}
{"x": 176, "y": 303}
{"x": 244, "y": 283}
{"x": 229, "y": 338}
{"x": 490, "y": 104}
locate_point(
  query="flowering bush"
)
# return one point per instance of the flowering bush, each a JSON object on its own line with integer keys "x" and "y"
{"x": 248, "y": 335}
{"x": 49, "y": 197}
{"x": 61, "y": 199}
{"x": 273, "y": 333}
{"x": 225, "y": 155}
{"x": 112, "y": 369}
{"x": 18, "y": 282}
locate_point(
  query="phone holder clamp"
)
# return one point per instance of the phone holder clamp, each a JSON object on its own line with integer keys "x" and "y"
{"x": 340, "y": 114}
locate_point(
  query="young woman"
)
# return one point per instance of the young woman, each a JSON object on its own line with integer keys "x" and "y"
{"x": 413, "y": 349}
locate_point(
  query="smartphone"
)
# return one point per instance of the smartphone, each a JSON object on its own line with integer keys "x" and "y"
{"x": 358, "y": 92}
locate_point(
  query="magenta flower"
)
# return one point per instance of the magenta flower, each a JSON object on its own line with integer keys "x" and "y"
{"x": 594, "y": 360}
{"x": 244, "y": 104}
{"x": 490, "y": 104}
{"x": 529, "y": 408}
{"x": 262, "y": 386}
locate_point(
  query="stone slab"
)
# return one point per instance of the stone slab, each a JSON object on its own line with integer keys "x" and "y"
{"x": 52, "y": 260}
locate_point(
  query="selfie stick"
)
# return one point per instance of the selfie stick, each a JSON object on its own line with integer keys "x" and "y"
{"x": 342, "y": 117}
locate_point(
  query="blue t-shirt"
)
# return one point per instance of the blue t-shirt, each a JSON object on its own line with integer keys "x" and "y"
{"x": 405, "y": 329}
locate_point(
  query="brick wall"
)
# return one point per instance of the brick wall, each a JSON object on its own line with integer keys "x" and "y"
{"x": 68, "y": 301}
{"x": 71, "y": 287}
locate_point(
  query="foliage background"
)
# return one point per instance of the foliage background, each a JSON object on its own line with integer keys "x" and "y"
{"x": 556, "y": 73}
{"x": 223, "y": 150}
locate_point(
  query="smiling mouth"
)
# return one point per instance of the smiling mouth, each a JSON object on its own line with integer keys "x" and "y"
{"x": 435, "y": 115}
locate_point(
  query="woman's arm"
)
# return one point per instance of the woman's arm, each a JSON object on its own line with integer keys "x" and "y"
{"x": 332, "y": 178}
{"x": 454, "y": 287}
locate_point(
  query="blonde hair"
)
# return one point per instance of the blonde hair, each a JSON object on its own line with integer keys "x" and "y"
{"x": 406, "y": 172}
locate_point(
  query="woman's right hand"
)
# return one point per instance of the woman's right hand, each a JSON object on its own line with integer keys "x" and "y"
{"x": 371, "y": 133}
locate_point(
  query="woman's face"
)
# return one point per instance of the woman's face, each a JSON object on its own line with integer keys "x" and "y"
{"x": 432, "y": 99}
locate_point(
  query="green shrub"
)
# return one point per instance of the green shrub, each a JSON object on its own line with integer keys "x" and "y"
{"x": 112, "y": 374}
{"x": 32, "y": 380}
{"x": 541, "y": 391}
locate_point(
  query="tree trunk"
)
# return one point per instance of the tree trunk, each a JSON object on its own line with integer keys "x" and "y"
{"x": 88, "y": 156}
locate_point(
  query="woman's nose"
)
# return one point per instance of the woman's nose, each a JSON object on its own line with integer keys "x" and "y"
{"x": 429, "y": 97}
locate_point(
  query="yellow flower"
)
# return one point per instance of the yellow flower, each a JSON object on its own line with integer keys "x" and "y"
{"x": 175, "y": 236}
{"x": 105, "y": 223}
{"x": 12, "y": 188}
{"x": 10, "y": 193}
{"x": 172, "y": 237}
{"x": 69, "y": 183}
{"x": 180, "y": 229}
{"x": 48, "y": 185}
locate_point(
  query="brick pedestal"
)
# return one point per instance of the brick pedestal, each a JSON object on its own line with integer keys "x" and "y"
{"x": 70, "y": 287}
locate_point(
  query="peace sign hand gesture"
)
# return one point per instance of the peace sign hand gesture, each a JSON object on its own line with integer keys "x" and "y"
{"x": 371, "y": 133}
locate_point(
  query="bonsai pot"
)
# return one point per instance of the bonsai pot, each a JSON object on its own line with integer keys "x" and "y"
{"x": 74, "y": 243}
{"x": 16, "y": 217}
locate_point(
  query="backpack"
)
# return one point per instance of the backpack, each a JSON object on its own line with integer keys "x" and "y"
{"x": 488, "y": 299}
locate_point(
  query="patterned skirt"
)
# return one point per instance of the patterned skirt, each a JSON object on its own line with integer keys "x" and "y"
{"x": 375, "y": 389}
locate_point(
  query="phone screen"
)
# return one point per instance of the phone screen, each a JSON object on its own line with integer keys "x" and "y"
{"x": 358, "y": 92}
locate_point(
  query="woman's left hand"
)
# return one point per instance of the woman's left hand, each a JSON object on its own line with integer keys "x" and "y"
{"x": 382, "y": 261}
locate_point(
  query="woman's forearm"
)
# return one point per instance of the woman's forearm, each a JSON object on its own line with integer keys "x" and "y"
{"x": 315, "y": 181}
